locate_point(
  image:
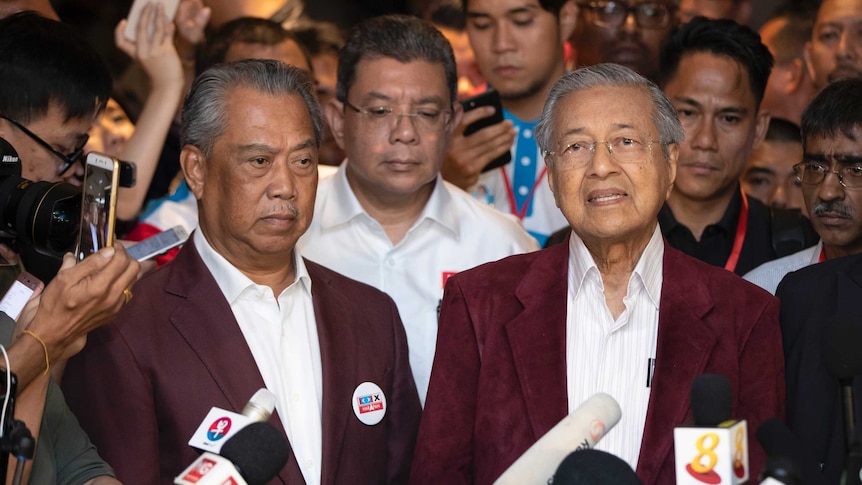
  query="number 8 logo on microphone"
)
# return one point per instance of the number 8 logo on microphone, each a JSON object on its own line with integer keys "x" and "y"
{"x": 702, "y": 465}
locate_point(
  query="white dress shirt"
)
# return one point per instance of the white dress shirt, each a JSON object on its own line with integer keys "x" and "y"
{"x": 768, "y": 275}
{"x": 282, "y": 336}
{"x": 613, "y": 356}
{"x": 454, "y": 232}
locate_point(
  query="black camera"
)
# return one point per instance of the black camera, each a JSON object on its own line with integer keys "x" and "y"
{"x": 44, "y": 216}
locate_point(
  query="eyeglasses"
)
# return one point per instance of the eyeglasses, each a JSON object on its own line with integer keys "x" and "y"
{"x": 622, "y": 149}
{"x": 67, "y": 160}
{"x": 384, "y": 116}
{"x": 611, "y": 15}
{"x": 813, "y": 173}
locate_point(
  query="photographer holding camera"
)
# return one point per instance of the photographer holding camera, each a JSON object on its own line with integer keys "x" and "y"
{"x": 53, "y": 87}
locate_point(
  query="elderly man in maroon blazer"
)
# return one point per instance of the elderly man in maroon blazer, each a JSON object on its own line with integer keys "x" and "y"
{"x": 525, "y": 340}
{"x": 239, "y": 309}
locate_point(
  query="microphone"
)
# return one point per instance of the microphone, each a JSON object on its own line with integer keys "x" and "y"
{"x": 220, "y": 424}
{"x": 843, "y": 360}
{"x": 594, "y": 467}
{"x": 784, "y": 456}
{"x": 715, "y": 449}
{"x": 253, "y": 456}
{"x": 581, "y": 429}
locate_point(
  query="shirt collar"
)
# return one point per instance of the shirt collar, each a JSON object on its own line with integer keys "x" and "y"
{"x": 341, "y": 205}
{"x": 231, "y": 281}
{"x": 648, "y": 270}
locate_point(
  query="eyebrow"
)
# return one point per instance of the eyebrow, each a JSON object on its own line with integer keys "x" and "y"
{"x": 512, "y": 11}
{"x": 840, "y": 158}
{"x": 263, "y": 147}
{"x": 760, "y": 170}
{"x": 698, "y": 105}
{"x": 616, "y": 126}
{"x": 374, "y": 95}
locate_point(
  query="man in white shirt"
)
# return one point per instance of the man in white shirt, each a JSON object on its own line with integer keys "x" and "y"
{"x": 524, "y": 341}
{"x": 240, "y": 309}
{"x": 387, "y": 218}
{"x": 831, "y": 176}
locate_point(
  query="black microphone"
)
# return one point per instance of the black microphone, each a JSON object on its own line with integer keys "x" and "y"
{"x": 843, "y": 360}
{"x": 711, "y": 400}
{"x": 784, "y": 457}
{"x": 258, "y": 451}
{"x": 594, "y": 467}
{"x": 252, "y": 456}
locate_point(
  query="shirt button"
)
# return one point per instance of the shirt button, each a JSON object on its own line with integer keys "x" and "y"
{"x": 525, "y": 161}
{"x": 523, "y": 190}
{"x": 528, "y": 133}
{"x": 309, "y": 464}
{"x": 390, "y": 261}
{"x": 294, "y": 397}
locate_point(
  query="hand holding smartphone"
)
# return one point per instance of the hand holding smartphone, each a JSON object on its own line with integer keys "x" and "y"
{"x": 135, "y": 15}
{"x": 488, "y": 98}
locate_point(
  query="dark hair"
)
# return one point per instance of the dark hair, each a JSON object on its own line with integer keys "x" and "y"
{"x": 45, "y": 62}
{"x": 204, "y": 118}
{"x": 400, "y": 37}
{"x": 244, "y": 30}
{"x": 449, "y": 16}
{"x": 553, "y": 6}
{"x": 318, "y": 37}
{"x": 782, "y": 130}
{"x": 837, "y": 108}
{"x": 722, "y": 38}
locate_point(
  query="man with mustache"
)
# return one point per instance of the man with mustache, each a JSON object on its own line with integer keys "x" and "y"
{"x": 624, "y": 32}
{"x": 715, "y": 73}
{"x": 835, "y": 49}
{"x": 240, "y": 309}
{"x": 831, "y": 174}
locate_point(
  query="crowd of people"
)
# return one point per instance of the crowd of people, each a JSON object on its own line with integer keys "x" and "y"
{"x": 683, "y": 196}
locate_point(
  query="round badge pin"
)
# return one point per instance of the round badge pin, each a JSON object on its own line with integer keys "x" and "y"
{"x": 369, "y": 403}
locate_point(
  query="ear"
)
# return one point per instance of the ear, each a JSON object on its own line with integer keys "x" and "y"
{"x": 551, "y": 176}
{"x": 193, "y": 163}
{"x": 457, "y": 113}
{"x": 672, "y": 158}
{"x": 568, "y": 18}
{"x": 762, "y": 124}
{"x": 334, "y": 113}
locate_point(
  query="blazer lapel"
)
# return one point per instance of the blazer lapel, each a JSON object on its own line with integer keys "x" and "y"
{"x": 537, "y": 337}
{"x": 683, "y": 349}
{"x": 338, "y": 354}
{"x": 207, "y": 323}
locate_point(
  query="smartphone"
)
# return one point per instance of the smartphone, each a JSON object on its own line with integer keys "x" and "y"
{"x": 161, "y": 242}
{"x": 98, "y": 204}
{"x": 19, "y": 294}
{"x": 134, "y": 17}
{"x": 488, "y": 98}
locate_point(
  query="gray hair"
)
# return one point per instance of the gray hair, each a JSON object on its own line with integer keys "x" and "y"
{"x": 204, "y": 118}
{"x": 613, "y": 75}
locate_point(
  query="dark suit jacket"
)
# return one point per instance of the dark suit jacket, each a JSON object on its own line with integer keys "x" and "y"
{"x": 143, "y": 385}
{"x": 809, "y": 298}
{"x": 499, "y": 377}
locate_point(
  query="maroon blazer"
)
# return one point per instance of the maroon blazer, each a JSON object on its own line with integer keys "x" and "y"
{"x": 499, "y": 377}
{"x": 143, "y": 385}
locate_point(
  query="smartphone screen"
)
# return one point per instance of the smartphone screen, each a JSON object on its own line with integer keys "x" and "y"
{"x": 134, "y": 17}
{"x": 488, "y": 98}
{"x": 98, "y": 204}
{"x": 161, "y": 242}
{"x": 19, "y": 294}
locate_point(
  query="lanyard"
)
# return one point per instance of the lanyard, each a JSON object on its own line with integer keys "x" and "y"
{"x": 510, "y": 193}
{"x": 741, "y": 228}
{"x": 822, "y": 257}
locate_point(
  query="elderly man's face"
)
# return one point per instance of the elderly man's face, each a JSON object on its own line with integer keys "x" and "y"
{"x": 626, "y": 41}
{"x": 606, "y": 199}
{"x": 518, "y": 45}
{"x": 835, "y": 50}
{"x": 400, "y": 153}
{"x": 256, "y": 192}
{"x": 836, "y": 211}
{"x": 718, "y": 111}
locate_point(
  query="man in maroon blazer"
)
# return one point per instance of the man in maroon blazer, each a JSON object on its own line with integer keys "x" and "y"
{"x": 239, "y": 309}
{"x": 525, "y": 340}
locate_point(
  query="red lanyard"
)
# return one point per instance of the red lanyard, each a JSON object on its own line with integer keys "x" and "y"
{"x": 513, "y": 207}
{"x": 822, "y": 257}
{"x": 741, "y": 228}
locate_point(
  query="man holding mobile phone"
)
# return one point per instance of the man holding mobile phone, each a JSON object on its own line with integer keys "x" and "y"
{"x": 519, "y": 49}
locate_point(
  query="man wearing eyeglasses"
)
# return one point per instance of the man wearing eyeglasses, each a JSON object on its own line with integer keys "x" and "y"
{"x": 386, "y": 217}
{"x": 831, "y": 174}
{"x": 831, "y": 177}
{"x": 526, "y": 340}
{"x": 624, "y": 32}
